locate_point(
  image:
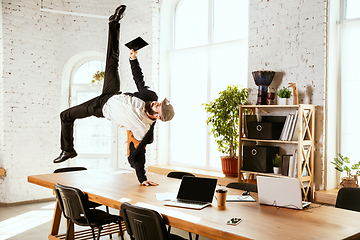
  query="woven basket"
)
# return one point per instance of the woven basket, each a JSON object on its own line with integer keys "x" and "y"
{"x": 351, "y": 181}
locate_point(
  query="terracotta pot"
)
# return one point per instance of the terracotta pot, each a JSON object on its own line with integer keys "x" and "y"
{"x": 229, "y": 166}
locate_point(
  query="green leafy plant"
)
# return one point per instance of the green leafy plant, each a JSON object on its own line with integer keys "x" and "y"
{"x": 276, "y": 160}
{"x": 98, "y": 77}
{"x": 224, "y": 119}
{"x": 343, "y": 164}
{"x": 284, "y": 92}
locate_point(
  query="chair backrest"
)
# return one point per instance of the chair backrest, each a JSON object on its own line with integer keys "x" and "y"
{"x": 348, "y": 198}
{"x": 69, "y": 169}
{"x": 243, "y": 186}
{"x": 72, "y": 202}
{"x": 143, "y": 224}
{"x": 179, "y": 175}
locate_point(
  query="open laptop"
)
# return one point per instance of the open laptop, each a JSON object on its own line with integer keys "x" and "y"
{"x": 280, "y": 192}
{"x": 194, "y": 193}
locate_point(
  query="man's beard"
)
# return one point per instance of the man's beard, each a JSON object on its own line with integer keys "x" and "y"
{"x": 148, "y": 108}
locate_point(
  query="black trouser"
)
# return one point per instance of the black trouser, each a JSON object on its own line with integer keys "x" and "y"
{"x": 94, "y": 106}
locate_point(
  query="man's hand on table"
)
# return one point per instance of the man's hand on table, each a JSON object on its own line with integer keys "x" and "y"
{"x": 149, "y": 183}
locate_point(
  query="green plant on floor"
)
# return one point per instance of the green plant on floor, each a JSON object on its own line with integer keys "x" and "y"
{"x": 284, "y": 92}
{"x": 224, "y": 118}
{"x": 344, "y": 164}
{"x": 276, "y": 160}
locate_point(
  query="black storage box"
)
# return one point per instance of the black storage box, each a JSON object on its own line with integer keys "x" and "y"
{"x": 259, "y": 158}
{"x": 265, "y": 130}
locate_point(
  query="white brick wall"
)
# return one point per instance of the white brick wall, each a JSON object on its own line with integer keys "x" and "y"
{"x": 289, "y": 37}
{"x": 36, "y": 46}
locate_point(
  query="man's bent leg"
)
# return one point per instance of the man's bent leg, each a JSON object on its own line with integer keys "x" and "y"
{"x": 68, "y": 118}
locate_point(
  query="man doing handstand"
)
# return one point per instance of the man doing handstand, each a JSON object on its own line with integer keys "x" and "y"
{"x": 136, "y": 112}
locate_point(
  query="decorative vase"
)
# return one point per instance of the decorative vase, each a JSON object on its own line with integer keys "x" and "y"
{"x": 284, "y": 101}
{"x": 229, "y": 166}
{"x": 276, "y": 170}
{"x": 263, "y": 79}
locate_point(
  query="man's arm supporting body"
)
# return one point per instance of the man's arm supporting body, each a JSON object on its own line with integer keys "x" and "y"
{"x": 136, "y": 149}
{"x": 136, "y": 156}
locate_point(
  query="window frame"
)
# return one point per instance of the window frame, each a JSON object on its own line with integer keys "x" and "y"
{"x": 333, "y": 131}
{"x": 167, "y": 48}
{"x": 73, "y": 89}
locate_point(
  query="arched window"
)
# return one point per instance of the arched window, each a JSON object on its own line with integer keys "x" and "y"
{"x": 207, "y": 50}
{"x": 93, "y": 136}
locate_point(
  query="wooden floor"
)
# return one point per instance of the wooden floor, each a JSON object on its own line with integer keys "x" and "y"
{"x": 33, "y": 221}
{"x": 324, "y": 196}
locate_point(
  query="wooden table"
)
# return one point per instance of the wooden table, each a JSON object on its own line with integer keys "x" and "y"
{"x": 111, "y": 187}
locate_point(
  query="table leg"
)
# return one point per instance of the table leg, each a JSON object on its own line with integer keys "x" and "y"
{"x": 119, "y": 234}
{"x": 56, "y": 220}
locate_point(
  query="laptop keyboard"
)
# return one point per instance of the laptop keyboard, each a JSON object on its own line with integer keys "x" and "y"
{"x": 189, "y": 202}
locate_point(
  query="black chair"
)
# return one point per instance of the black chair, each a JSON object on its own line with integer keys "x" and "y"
{"x": 72, "y": 169}
{"x": 145, "y": 224}
{"x": 250, "y": 187}
{"x": 74, "y": 205}
{"x": 179, "y": 175}
{"x": 348, "y": 198}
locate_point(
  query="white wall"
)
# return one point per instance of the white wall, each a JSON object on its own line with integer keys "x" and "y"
{"x": 36, "y": 46}
{"x": 289, "y": 37}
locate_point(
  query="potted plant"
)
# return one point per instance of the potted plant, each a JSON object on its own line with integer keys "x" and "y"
{"x": 224, "y": 122}
{"x": 343, "y": 164}
{"x": 98, "y": 77}
{"x": 284, "y": 96}
{"x": 276, "y": 163}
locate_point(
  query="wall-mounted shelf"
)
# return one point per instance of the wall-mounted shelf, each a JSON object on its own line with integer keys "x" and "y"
{"x": 304, "y": 143}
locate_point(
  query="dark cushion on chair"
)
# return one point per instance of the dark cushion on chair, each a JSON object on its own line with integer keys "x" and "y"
{"x": 144, "y": 223}
{"x": 97, "y": 218}
{"x": 69, "y": 169}
{"x": 73, "y": 169}
{"x": 179, "y": 175}
{"x": 243, "y": 186}
{"x": 74, "y": 204}
{"x": 348, "y": 198}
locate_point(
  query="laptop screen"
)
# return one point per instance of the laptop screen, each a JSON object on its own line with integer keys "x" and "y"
{"x": 281, "y": 192}
{"x": 197, "y": 189}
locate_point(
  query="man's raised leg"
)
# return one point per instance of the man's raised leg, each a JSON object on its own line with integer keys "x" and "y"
{"x": 93, "y": 106}
{"x": 112, "y": 79}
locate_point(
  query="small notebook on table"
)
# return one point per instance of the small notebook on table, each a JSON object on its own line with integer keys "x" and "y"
{"x": 239, "y": 198}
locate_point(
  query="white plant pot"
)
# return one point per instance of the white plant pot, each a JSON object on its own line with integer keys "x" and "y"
{"x": 276, "y": 170}
{"x": 284, "y": 101}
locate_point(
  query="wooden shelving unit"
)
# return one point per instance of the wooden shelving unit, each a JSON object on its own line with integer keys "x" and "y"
{"x": 304, "y": 144}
